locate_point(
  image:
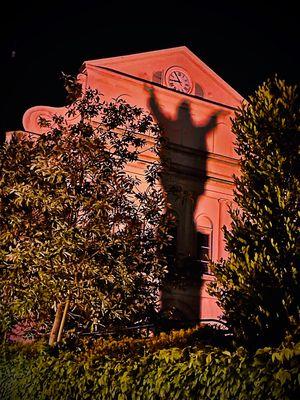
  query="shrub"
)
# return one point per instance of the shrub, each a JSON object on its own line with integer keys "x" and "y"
{"x": 258, "y": 285}
{"x": 29, "y": 372}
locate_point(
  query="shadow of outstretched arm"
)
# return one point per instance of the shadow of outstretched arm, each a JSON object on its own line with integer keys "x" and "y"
{"x": 154, "y": 106}
{"x": 212, "y": 122}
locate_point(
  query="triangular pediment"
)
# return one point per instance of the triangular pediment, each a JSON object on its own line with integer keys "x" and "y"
{"x": 131, "y": 77}
{"x": 153, "y": 66}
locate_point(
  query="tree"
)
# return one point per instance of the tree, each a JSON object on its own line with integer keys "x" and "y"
{"x": 79, "y": 234}
{"x": 258, "y": 285}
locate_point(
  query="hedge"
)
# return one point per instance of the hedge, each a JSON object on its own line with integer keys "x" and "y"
{"x": 209, "y": 373}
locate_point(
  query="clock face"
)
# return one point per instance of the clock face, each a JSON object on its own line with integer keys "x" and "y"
{"x": 178, "y": 79}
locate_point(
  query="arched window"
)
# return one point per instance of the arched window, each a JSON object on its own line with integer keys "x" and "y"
{"x": 204, "y": 242}
{"x": 198, "y": 90}
{"x": 157, "y": 77}
{"x": 171, "y": 249}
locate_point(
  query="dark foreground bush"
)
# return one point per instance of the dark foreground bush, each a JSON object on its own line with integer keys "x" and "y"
{"x": 208, "y": 373}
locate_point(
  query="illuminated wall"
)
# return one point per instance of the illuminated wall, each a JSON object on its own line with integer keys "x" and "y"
{"x": 194, "y": 106}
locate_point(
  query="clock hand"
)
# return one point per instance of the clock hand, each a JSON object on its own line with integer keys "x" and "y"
{"x": 178, "y": 80}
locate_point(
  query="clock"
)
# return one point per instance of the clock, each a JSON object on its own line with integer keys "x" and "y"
{"x": 177, "y": 78}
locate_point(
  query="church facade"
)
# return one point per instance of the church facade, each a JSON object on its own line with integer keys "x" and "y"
{"x": 194, "y": 107}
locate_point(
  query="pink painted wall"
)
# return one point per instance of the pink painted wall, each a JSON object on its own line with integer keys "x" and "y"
{"x": 203, "y": 161}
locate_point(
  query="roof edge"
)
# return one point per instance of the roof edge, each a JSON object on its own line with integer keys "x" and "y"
{"x": 185, "y": 49}
{"x": 140, "y": 55}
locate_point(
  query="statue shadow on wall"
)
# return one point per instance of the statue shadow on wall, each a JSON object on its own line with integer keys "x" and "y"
{"x": 183, "y": 178}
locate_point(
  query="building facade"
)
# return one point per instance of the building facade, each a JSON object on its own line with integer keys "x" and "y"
{"x": 194, "y": 107}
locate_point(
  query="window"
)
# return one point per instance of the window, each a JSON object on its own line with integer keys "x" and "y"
{"x": 198, "y": 90}
{"x": 171, "y": 250}
{"x": 204, "y": 242}
{"x": 204, "y": 250}
{"x": 157, "y": 77}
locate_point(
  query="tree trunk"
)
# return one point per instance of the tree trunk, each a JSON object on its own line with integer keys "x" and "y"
{"x": 56, "y": 325}
{"x": 63, "y": 320}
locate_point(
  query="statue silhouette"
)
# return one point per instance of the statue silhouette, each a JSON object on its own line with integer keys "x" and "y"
{"x": 183, "y": 179}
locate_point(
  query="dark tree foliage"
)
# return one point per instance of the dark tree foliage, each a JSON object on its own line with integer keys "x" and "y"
{"x": 258, "y": 285}
{"x": 76, "y": 226}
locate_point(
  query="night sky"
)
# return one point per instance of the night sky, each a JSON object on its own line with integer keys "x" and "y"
{"x": 243, "y": 44}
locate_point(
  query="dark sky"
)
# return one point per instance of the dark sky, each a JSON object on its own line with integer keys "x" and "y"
{"x": 243, "y": 44}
